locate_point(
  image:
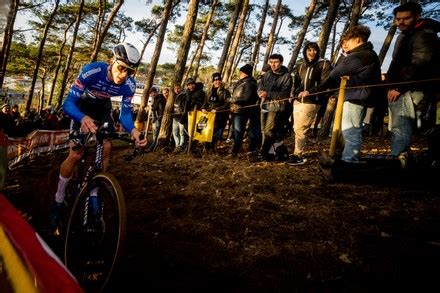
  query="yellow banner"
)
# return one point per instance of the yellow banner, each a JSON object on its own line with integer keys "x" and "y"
{"x": 204, "y": 125}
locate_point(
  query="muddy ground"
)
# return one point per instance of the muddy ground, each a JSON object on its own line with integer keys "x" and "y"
{"x": 219, "y": 225}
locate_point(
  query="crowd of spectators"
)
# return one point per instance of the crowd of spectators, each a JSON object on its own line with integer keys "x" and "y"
{"x": 16, "y": 124}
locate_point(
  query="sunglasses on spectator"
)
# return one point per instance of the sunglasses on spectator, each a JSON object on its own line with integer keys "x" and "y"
{"x": 124, "y": 68}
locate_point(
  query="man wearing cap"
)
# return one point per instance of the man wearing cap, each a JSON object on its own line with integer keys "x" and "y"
{"x": 243, "y": 108}
{"x": 274, "y": 92}
{"x": 196, "y": 99}
{"x": 217, "y": 100}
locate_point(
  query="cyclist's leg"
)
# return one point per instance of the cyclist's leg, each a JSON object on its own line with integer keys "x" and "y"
{"x": 66, "y": 171}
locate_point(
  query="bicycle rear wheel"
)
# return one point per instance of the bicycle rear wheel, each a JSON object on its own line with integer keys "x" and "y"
{"x": 94, "y": 243}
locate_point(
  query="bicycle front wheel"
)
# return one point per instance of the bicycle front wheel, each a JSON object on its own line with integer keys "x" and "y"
{"x": 94, "y": 242}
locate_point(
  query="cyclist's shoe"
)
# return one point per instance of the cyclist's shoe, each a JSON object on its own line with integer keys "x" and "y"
{"x": 56, "y": 212}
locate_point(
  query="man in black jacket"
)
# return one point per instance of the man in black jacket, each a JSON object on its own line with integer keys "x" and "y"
{"x": 243, "y": 105}
{"x": 416, "y": 57}
{"x": 274, "y": 92}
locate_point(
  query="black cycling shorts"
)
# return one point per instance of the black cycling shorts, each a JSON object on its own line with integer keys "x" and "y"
{"x": 99, "y": 110}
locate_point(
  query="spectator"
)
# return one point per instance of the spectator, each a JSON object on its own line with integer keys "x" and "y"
{"x": 196, "y": 99}
{"x": 307, "y": 79}
{"x": 8, "y": 121}
{"x": 157, "y": 109}
{"x": 243, "y": 103}
{"x": 274, "y": 91}
{"x": 330, "y": 105}
{"x": 180, "y": 119}
{"x": 363, "y": 68}
{"x": 15, "y": 112}
{"x": 416, "y": 57}
{"x": 217, "y": 101}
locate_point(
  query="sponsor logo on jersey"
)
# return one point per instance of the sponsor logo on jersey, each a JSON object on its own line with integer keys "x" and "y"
{"x": 78, "y": 84}
{"x": 100, "y": 95}
{"x": 86, "y": 74}
{"x": 131, "y": 84}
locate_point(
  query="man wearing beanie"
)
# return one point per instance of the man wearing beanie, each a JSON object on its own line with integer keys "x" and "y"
{"x": 217, "y": 100}
{"x": 274, "y": 92}
{"x": 243, "y": 108}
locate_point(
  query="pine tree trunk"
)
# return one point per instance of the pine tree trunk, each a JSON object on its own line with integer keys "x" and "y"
{"x": 235, "y": 43}
{"x": 229, "y": 35}
{"x": 256, "y": 50}
{"x": 182, "y": 55}
{"x": 189, "y": 66}
{"x": 150, "y": 36}
{"x": 58, "y": 66}
{"x": 270, "y": 41}
{"x": 327, "y": 27}
{"x": 99, "y": 22}
{"x": 70, "y": 55}
{"x": 40, "y": 54}
{"x": 155, "y": 58}
{"x": 301, "y": 35}
{"x": 103, "y": 33}
{"x": 204, "y": 37}
{"x": 7, "y": 39}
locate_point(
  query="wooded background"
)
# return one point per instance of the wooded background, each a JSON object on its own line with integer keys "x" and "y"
{"x": 68, "y": 34}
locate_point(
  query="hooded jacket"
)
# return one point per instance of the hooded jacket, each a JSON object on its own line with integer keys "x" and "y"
{"x": 309, "y": 76}
{"x": 416, "y": 56}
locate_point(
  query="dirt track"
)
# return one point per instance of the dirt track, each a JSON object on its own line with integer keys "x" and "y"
{"x": 212, "y": 224}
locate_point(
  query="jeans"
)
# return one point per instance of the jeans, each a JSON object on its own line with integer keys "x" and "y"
{"x": 179, "y": 133}
{"x": 240, "y": 121}
{"x": 303, "y": 116}
{"x": 271, "y": 128}
{"x": 403, "y": 120}
{"x": 352, "y": 117}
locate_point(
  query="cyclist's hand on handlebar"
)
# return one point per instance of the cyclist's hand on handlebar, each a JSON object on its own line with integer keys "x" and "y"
{"x": 139, "y": 141}
{"x": 88, "y": 125}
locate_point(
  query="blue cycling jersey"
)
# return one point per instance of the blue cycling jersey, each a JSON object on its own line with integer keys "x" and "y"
{"x": 93, "y": 83}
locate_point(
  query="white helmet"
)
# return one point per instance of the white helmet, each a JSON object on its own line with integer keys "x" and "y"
{"x": 128, "y": 54}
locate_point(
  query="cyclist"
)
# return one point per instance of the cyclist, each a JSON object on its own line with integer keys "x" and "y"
{"x": 88, "y": 101}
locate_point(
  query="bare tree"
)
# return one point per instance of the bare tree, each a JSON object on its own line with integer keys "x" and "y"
{"x": 155, "y": 58}
{"x": 199, "y": 51}
{"x": 7, "y": 38}
{"x": 328, "y": 24}
{"x": 69, "y": 57}
{"x": 256, "y": 50}
{"x": 270, "y": 41}
{"x": 182, "y": 55}
{"x": 100, "y": 34}
{"x": 58, "y": 66}
{"x": 235, "y": 43}
{"x": 229, "y": 35}
{"x": 40, "y": 54}
{"x": 301, "y": 34}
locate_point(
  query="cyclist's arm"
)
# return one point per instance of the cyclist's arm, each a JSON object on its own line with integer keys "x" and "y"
{"x": 126, "y": 117}
{"x": 86, "y": 77}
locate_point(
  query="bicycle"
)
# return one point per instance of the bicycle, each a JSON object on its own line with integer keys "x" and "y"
{"x": 94, "y": 239}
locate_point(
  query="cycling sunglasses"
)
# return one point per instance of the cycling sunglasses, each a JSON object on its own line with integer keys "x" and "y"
{"x": 124, "y": 68}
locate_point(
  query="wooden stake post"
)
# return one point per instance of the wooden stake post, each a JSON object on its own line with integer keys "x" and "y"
{"x": 192, "y": 129}
{"x": 337, "y": 124}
